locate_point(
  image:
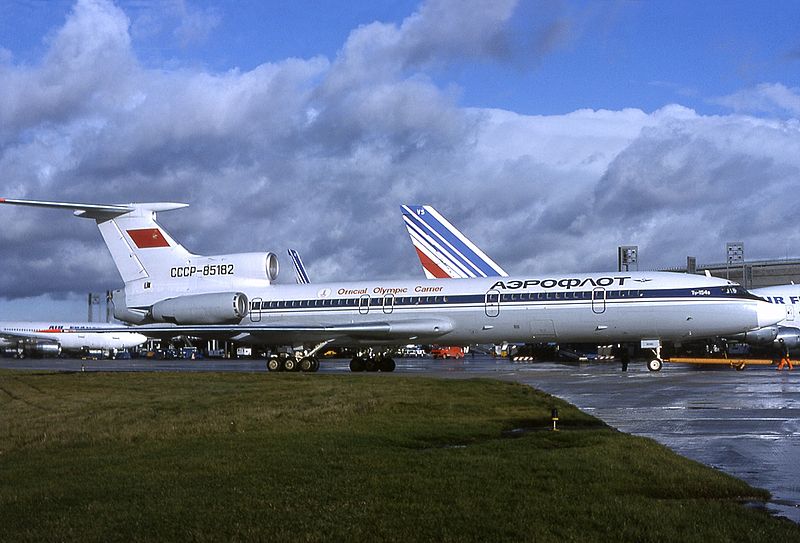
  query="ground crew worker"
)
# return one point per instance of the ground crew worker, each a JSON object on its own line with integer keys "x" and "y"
{"x": 784, "y": 352}
{"x": 626, "y": 357}
{"x": 620, "y": 352}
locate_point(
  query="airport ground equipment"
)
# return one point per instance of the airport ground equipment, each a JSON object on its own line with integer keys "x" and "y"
{"x": 736, "y": 363}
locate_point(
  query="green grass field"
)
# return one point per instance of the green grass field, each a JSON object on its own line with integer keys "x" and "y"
{"x": 294, "y": 457}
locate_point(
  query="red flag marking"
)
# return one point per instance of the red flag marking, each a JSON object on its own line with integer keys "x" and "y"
{"x": 148, "y": 238}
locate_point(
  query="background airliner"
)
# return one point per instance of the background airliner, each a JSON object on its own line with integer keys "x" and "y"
{"x": 44, "y": 338}
{"x": 788, "y": 297}
{"x": 234, "y": 296}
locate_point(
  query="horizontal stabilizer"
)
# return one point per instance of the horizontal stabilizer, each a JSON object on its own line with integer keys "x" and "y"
{"x": 97, "y": 211}
{"x": 140, "y": 248}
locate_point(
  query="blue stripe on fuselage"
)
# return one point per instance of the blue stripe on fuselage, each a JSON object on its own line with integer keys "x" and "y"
{"x": 629, "y": 295}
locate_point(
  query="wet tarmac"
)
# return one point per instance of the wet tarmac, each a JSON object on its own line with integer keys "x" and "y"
{"x": 745, "y": 423}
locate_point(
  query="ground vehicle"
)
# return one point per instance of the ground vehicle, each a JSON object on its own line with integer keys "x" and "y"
{"x": 447, "y": 352}
{"x": 411, "y": 351}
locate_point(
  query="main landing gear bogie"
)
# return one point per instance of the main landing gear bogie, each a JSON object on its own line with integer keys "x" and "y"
{"x": 284, "y": 362}
{"x": 309, "y": 363}
{"x": 372, "y": 363}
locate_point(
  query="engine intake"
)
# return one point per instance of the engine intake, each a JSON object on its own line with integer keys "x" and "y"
{"x": 271, "y": 266}
{"x": 214, "y": 308}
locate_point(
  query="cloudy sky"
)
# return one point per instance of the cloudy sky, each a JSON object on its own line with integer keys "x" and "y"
{"x": 549, "y": 131}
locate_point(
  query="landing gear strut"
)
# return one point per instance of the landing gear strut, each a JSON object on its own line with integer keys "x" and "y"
{"x": 656, "y": 363}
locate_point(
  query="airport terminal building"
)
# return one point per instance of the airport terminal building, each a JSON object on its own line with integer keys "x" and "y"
{"x": 753, "y": 274}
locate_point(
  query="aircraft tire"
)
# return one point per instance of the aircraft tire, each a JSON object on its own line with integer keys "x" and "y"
{"x": 273, "y": 364}
{"x": 372, "y": 364}
{"x": 357, "y": 364}
{"x": 387, "y": 364}
{"x": 306, "y": 364}
{"x": 315, "y": 364}
{"x": 290, "y": 364}
{"x": 655, "y": 364}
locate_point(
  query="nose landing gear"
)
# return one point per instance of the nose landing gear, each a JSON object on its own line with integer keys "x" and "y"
{"x": 656, "y": 363}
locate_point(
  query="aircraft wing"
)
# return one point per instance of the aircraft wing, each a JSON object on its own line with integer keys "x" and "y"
{"x": 373, "y": 332}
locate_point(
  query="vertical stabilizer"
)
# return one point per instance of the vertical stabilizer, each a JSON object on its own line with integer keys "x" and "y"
{"x": 300, "y": 274}
{"x": 140, "y": 247}
{"x": 442, "y": 249}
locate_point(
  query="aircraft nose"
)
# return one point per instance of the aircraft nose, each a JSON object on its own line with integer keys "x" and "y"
{"x": 769, "y": 314}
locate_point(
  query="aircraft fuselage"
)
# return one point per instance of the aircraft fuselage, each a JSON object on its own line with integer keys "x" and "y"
{"x": 576, "y": 308}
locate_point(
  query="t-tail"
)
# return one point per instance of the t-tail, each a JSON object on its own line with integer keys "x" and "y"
{"x": 164, "y": 282}
{"x": 443, "y": 250}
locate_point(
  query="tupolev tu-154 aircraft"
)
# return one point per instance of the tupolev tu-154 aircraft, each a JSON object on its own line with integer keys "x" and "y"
{"x": 175, "y": 292}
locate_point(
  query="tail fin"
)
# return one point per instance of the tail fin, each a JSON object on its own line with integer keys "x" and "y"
{"x": 442, "y": 249}
{"x": 299, "y": 270}
{"x": 139, "y": 246}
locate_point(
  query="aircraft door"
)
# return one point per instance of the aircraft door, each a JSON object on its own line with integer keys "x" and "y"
{"x": 599, "y": 300}
{"x": 255, "y": 310}
{"x": 388, "y": 303}
{"x": 790, "y": 312}
{"x": 492, "y": 303}
{"x": 363, "y": 304}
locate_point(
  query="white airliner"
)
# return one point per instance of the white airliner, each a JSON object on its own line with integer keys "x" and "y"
{"x": 44, "y": 338}
{"x": 233, "y": 296}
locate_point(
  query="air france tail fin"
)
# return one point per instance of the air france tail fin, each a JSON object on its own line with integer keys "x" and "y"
{"x": 138, "y": 244}
{"x": 443, "y": 250}
{"x": 299, "y": 270}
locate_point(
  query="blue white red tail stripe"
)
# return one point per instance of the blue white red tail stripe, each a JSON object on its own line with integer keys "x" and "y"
{"x": 435, "y": 255}
{"x": 436, "y": 245}
{"x": 300, "y": 274}
{"x": 447, "y": 250}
